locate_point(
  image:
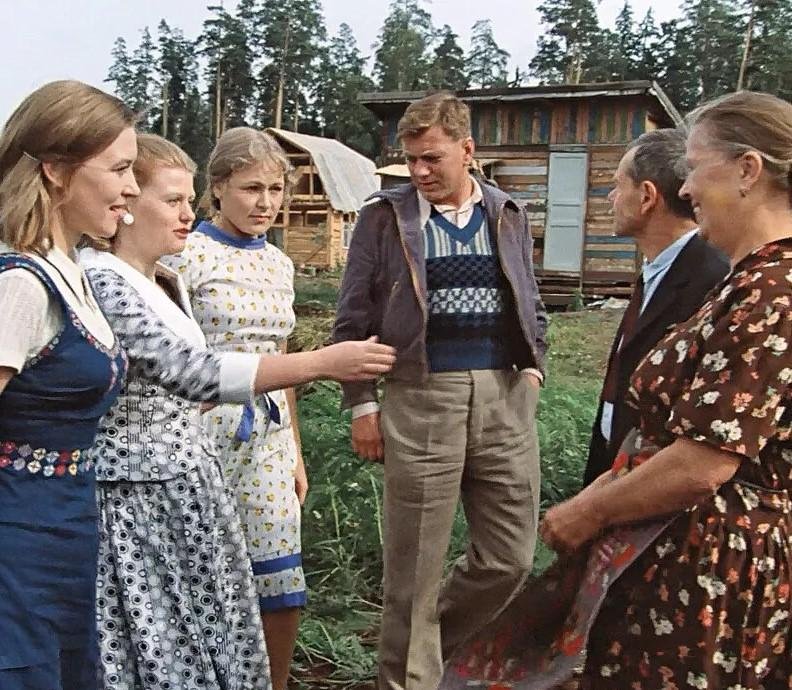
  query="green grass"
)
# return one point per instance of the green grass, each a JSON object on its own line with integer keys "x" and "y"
{"x": 342, "y": 522}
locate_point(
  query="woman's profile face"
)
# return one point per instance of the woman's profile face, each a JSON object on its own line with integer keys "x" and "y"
{"x": 712, "y": 186}
{"x": 163, "y": 213}
{"x": 250, "y": 199}
{"x": 100, "y": 189}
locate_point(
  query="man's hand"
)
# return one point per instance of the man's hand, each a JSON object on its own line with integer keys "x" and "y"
{"x": 532, "y": 379}
{"x": 367, "y": 437}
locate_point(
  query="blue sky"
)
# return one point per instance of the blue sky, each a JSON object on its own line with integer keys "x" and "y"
{"x": 55, "y": 39}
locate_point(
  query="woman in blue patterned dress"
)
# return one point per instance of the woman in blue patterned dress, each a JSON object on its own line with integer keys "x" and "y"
{"x": 176, "y": 603}
{"x": 66, "y": 158}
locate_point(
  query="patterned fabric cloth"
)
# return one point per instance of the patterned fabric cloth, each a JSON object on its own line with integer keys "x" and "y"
{"x": 468, "y": 297}
{"x": 242, "y": 296}
{"x": 707, "y": 603}
{"x": 176, "y": 604}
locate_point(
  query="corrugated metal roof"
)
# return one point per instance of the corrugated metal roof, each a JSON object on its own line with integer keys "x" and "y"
{"x": 348, "y": 177}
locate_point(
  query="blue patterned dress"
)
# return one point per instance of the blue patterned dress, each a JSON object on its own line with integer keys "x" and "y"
{"x": 176, "y": 603}
{"x": 49, "y": 413}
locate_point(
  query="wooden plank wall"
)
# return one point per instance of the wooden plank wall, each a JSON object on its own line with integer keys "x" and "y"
{"x": 574, "y": 121}
{"x": 564, "y": 121}
{"x": 603, "y": 251}
{"x": 525, "y": 178}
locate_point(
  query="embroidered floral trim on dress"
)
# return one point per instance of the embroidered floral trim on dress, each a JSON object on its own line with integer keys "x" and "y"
{"x": 24, "y": 458}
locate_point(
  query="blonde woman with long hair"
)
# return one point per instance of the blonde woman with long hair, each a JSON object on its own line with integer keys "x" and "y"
{"x": 66, "y": 157}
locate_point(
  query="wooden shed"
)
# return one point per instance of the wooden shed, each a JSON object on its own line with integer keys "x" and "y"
{"x": 555, "y": 149}
{"x": 334, "y": 182}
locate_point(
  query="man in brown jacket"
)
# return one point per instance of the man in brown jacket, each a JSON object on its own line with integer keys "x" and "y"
{"x": 441, "y": 268}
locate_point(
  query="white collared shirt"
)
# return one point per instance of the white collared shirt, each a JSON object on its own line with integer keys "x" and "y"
{"x": 37, "y": 315}
{"x": 653, "y": 273}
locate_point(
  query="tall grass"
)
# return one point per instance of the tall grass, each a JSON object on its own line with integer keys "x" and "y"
{"x": 342, "y": 525}
{"x": 342, "y": 519}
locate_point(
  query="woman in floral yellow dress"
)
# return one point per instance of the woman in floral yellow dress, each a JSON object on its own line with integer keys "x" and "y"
{"x": 687, "y": 583}
{"x": 241, "y": 290}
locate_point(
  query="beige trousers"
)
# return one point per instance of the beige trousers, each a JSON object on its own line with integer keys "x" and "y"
{"x": 471, "y": 433}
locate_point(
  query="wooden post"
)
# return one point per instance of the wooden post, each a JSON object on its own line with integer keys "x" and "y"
{"x": 165, "y": 104}
{"x": 747, "y": 47}
{"x": 282, "y": 76}
{"x": 218, "y": 116}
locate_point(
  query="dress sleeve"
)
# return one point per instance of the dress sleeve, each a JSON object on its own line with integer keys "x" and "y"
{"x": 740, "y": 389}
{"x": 31, "y": 316}
{"x": 158, "y": 354}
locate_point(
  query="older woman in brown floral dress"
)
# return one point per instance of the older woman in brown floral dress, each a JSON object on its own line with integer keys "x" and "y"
{"x": 687, "y": 584}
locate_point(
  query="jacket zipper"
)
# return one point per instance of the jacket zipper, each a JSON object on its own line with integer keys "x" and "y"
{"x": 526, "y": 331}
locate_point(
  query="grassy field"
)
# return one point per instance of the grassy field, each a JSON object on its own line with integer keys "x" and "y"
{"x": 342, "y": 533}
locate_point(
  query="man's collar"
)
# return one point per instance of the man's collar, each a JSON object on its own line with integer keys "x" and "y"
{"x": 425, "y": 207}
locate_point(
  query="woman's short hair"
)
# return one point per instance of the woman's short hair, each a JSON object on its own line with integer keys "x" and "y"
{"x": 443, "y": 109}
{"x": 659, "y": 157}
{"x": 751, "y": 121}
{"x": 239, "y": 148}
{"x": 155, "y": 152}
{"x": 61, "y": 122}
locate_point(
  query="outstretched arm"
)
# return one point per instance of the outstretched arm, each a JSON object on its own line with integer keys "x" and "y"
{"x": 158, "y": 354}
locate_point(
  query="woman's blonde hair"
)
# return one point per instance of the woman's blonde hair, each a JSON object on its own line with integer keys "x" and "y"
{"x": 751, "y": 121}
{"x": 154, "y": 152}
{"x": 61, "y": 122}
{"x": 239, "y": 148}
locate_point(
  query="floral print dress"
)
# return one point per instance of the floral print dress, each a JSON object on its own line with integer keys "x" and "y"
{"x": 242, "y": 294}
{"x": 699, "y": 599}
{"x": 708, "y": 604}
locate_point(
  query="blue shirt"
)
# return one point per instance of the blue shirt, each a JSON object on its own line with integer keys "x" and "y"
{"x": 653, "y": 273}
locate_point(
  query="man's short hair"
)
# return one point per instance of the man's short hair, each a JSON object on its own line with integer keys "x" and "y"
{"x": 659, "y": 158}
{"x": 443, "y": 109}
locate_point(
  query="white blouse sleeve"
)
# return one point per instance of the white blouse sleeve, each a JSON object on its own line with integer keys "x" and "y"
{"x": 32, "y": 317}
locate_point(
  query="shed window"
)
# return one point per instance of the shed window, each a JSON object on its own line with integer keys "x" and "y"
{"x": 315, "y": 217}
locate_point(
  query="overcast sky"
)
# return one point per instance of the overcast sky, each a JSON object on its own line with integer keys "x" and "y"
{"x": 55, "y": 39}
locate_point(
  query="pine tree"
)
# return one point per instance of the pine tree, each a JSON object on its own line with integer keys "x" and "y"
{"x": 713, "y": 31}
{"x": 574, "y": 48}
{"x": 677, "y": 75}
{"x": 195, "y": 132}
{"x": 134, "y": 76}
{"x": 768, "y": 61}
{"x": 230, "y": 86}
{"x": 342, "y": 77}
{"x": 177, "y": 74}
{"x": 648, "y": 38}
{"x": 120, "y": 72}
{"x": 487, "y": 62}
{"x": 291, "y": 35}
{"x": 448, "y": 70}
{"x": 401, "y": 60}
{"x": 626, "y": 56}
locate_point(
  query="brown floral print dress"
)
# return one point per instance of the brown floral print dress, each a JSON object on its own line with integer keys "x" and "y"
{"x": 708, "y": 604}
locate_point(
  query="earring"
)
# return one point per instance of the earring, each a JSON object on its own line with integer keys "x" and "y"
{"x": 743, "y": 192}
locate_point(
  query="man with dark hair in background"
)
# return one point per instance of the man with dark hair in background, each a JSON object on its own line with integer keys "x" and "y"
{"x": 680, "y": 268}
